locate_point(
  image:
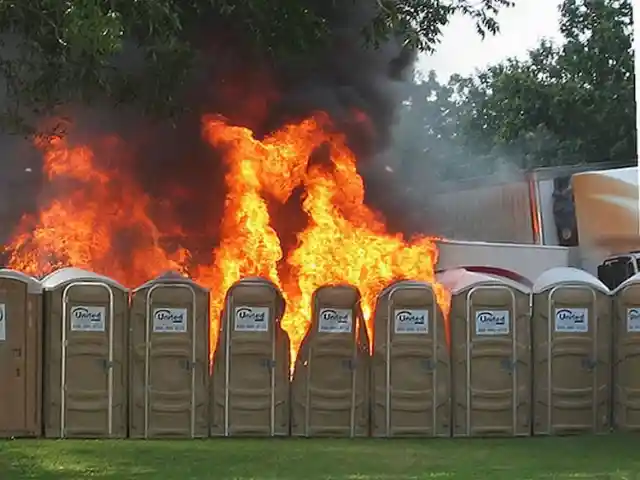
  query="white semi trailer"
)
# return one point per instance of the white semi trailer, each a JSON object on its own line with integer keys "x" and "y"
{"x": 605, "y": 226}
{"x": 523, "y": 260}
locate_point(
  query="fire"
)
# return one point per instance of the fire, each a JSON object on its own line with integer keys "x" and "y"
{"x": 94, "y": 209}
{"x": 344, "y": 241}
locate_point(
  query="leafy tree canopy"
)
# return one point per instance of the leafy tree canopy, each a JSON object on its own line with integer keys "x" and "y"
{"x": 566, "y": 103}
{"x": 58, "y": 51}
{"x": 580, "y": 94}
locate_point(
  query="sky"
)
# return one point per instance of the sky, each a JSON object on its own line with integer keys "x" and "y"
{"x": 462, "y": 50}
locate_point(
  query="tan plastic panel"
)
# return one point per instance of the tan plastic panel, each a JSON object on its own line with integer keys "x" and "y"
{"x": 410, "y": 371}
{"x": 85, "y": 387}
{"x": 491, "y": 372}
{"x": 169, "y": 381}
{"x": 250, "y": 385}
{"x": 626, "y": 359}
{"x": 330, "y": 386}
{"x": 572, "y": 370}
{"x": 20, "y": 359}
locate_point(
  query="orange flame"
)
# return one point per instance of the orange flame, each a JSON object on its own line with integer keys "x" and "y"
{"x": 81, "y": 226}
{"x": 344, "y": 242}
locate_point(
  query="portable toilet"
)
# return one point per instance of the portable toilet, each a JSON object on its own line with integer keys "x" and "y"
{"x": 20, "y": 355}
{"x": 169, "y": 375}
{"x": 85, "y": 355}
{"x": 626, "y": 355}
{"x": 330, "y": 385}
{"x": 490, "y": 354}
{"x": 572, "y": 330}
{"x": 250, "y": 380}
{"x": 410, "y": 369}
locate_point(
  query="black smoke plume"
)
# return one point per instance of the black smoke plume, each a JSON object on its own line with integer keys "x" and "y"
{"x": 174, "y": 165}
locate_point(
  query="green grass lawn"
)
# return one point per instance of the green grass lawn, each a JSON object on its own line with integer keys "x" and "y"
{"x": 615, "y": 457}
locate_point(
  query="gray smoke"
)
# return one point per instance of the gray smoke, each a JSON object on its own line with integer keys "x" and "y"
{"x": 19, "y": 182}
{"x": 174, "y": 166}
{"x": 433, "y": 156}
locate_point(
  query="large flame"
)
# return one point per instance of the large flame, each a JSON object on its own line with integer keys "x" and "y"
{"x": 93, "y": 210}
{"x": 344, "y": 240}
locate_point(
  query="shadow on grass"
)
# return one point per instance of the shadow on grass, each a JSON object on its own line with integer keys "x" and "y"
{"x": 580, "y": 458}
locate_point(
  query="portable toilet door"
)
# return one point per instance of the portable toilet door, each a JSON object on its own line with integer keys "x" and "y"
{"x": 626, "y": 355}
{"x": 250, "y": 381}
{"x": 169, "y": 377}
{"x": 330, "y": 386}
{"x": 490, "y": 355}
{"x": 410, "y": 370}
{"x": 85, "y": 381}
{"x": 572, "y": 330}
{"x": 20, "y": 355}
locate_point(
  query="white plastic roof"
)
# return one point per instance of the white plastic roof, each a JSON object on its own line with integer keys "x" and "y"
{"x": 255, "y": 279}
{"x": 627, "y": 282}
{"x": 33, "y": 285}
{"x": 404, "y": 282}
{"x": 72, "y": 274}
{"x": 567, "y": 275}
{"x": 262, "y": 280}
{"x": 171, "y": 277}
{"x": 460, "y": 279}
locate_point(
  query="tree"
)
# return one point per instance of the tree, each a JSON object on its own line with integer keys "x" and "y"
{"x": 429, "y": 128}
{"x": 61, "y": 51}
{"x": 432, "y": 138}
{"x": 565, "y": 104}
